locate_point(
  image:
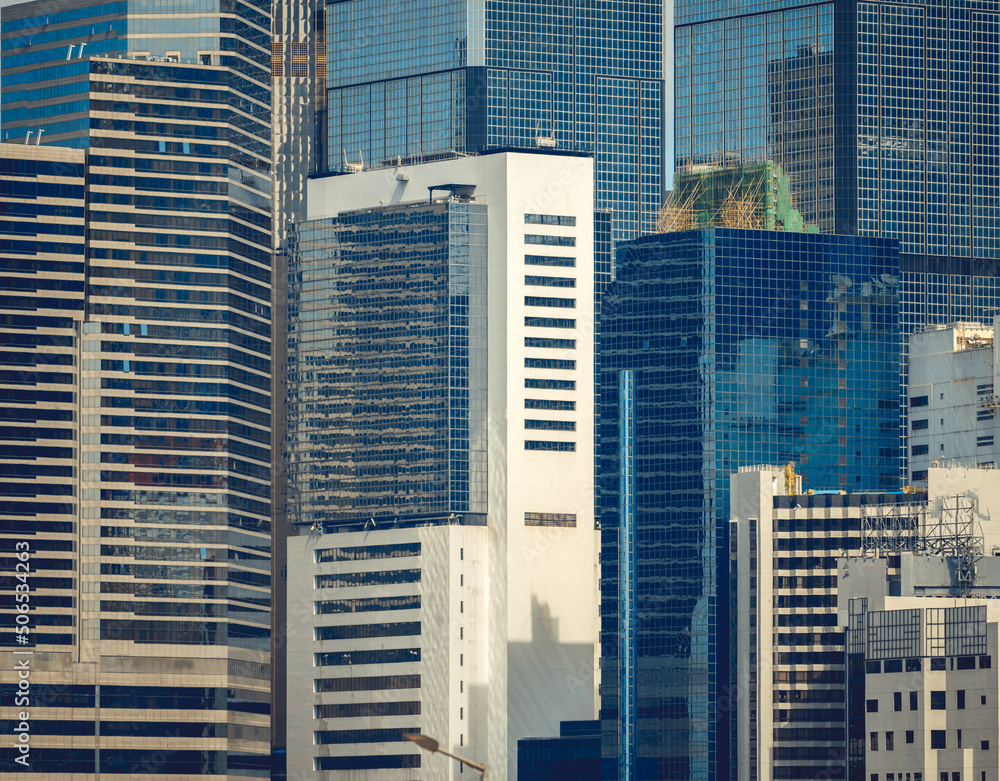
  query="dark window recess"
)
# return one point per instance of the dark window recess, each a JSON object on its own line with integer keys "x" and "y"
{"x": 550, "y": 519}
{"x": 913, "y": 665}
{"x": 549, "y": 322}
{"x": 530, "y": 279}
{"x": 918, "y": 401}
{"x": 366, "y": 552}
{"x": 549, "y": 363}
{"x": 367, "y": 684}
{"x": 873, "y": 667}
{"x": 548, "y": 342}
{"x": 917, "y": 425}
{"x": 549, "y": 241}
{"x": 909, "y": 736}
{"x": 388, "y": 735}
{"x": 913, "y": 700}
{"x": 385, "y": 656}
{"x": 559, "y": 404}
{"x": 985, "y": 662}
{"x": 965, "y": 663}
{"x": 562, "y": 447}
{"x": 871, "y": 706}
{"x": 960, "y": 699}
{"x": 893, "y": 666}
{"x": 897, "y": 701}
{"x": 549, "y": 219}
{"x": 919, "y": 450}
{"x": 545, "y": 260}
{"x": 367, "y": 605}
{"x": 920, "y": 474}
{"x": 352, "y": 631}
{"x": 938, "y": 738}
{"x": 378, "y": 578}
{"x": 551, "y": 425}
{"x": 939, "y": 700}
{"x": 550, "y": 384}
{"x": 378, "y": 762}
{"x": 351, "y": 710}
{"x": 558, "y": 303}
{"x": 939, "y": 663}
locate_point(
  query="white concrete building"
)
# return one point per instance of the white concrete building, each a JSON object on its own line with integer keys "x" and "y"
{"x": 501, "y": 602}
{"x": 798, "y": 559}
{"x": 952, "y": 402}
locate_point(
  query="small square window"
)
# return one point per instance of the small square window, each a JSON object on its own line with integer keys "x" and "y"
{"x": 937, "y": 739}
{"x": 939, "y": 700}
{"x": 909, "y": 736}
{"x": 871, "y": 706}
{"x": 984, "y": 745}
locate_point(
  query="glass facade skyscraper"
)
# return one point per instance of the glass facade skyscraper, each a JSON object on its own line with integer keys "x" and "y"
{"x": 884, "y": 115}
{"x": 722, "y": 348}
{"x": 171, "y": 492}
{"x": 418, "y": 78}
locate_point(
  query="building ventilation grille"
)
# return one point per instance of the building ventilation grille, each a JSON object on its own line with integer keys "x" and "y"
{"x": 550, "y": 519}
{"x": 278, "y": 59}
{"x": 300, "y": 59}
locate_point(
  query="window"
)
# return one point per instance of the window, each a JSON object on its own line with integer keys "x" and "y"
{"x": 873, "y": 667}
{"x": 938, "y": 663}
{"x": 567, "y": 406}
{"x": 897, "y": 701}
{"x": 545, "y": 260}
{"x": 549, "y": 281}
{"x": 959, "y": 738}
{"x": 961, "y": 699}
{"x": 871, "y": 706}
{"x": 874, "y": 741}
{"x": 918, "y": 425}
{"x": 549, "y": 322}
{"x": 920, "y": 474}
{"x": 535, "y": 444}
{"x": 909, "y": 736}
{"x": 984, "y": 745}
{"x": 542, "y": 341}
{"x": 937, "y": 738}
{"x": 985, "y": 662}
{"x": 549, "y": 219}
{"x": 890, "y": 741}
{"x": 893, "y": 665}
{"x": 558, "y": 303}
{"x": 938, "y": 701}
{"x": 551, "y": 425}
{"x": 918, "y": 401}
{"x": 966, "y": 663}
{"x": 913, "y": 700}
{"x": 550, "y": 384}
{"x": 550, "y": 519}
{"x": 550, "y": 241}
{"x": 918, "y": 450}
{"x": 913, "y": 665}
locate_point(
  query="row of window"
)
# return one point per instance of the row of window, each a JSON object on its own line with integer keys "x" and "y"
{"x": 937, "y": 663}
{"x": 939, "y": 740}
{"x": 939, "y": 701}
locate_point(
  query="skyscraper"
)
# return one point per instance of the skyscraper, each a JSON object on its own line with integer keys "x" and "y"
{"x": 721, "y": 348}
{"x": 884, "y": 115}
{"x": 440, "y": 433}
{"x": 172, "y": 491}
{"x": 415, "y": 79}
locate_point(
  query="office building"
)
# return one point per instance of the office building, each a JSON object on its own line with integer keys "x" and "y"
{"x": 925, "y": 693}
{"x": 440, "y": 451}
{"x": 169, "y": 670}
{"x": 952, "y": 405}
{"x": 722, "y": 348}
{"x": 418, "y": 79}
{"x": 801, "y": 559}
{"x": 871, "y": 92}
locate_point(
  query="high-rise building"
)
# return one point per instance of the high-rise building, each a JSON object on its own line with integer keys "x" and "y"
{"x": 169, "y": 666}
{"x": 415, "y": 79}
{"x": 952, "y": 402}
{"x": 722, "y": 348}
{"x": 883, "y": 115}
{"x": 440, "y": 462}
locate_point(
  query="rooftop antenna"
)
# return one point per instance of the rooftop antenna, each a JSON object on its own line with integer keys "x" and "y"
{"x": 80, "y": 54}
{"x": 69, "y": 53}
{"x": 27, "y": 138}
{"x": 38, "y": 140}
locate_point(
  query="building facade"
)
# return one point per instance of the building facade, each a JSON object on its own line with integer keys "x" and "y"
{"x": 952, "y": 404}
{"x": 407, "y": 80}
{"x": 173, "y": 481}
{"x": 440, "y": 352}
{"x": 721, "y": 348}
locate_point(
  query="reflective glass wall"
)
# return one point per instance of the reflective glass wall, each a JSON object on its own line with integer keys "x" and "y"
{"x": 736, "y": 347}
{"x": 387, "y": 365}
{"x": 422, "y": 78}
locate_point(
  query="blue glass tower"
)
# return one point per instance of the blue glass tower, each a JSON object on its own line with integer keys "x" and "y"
{"x": 884, "y": 115}
{"x": 722, "y": 348}
{"x": 415, "y": 79}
